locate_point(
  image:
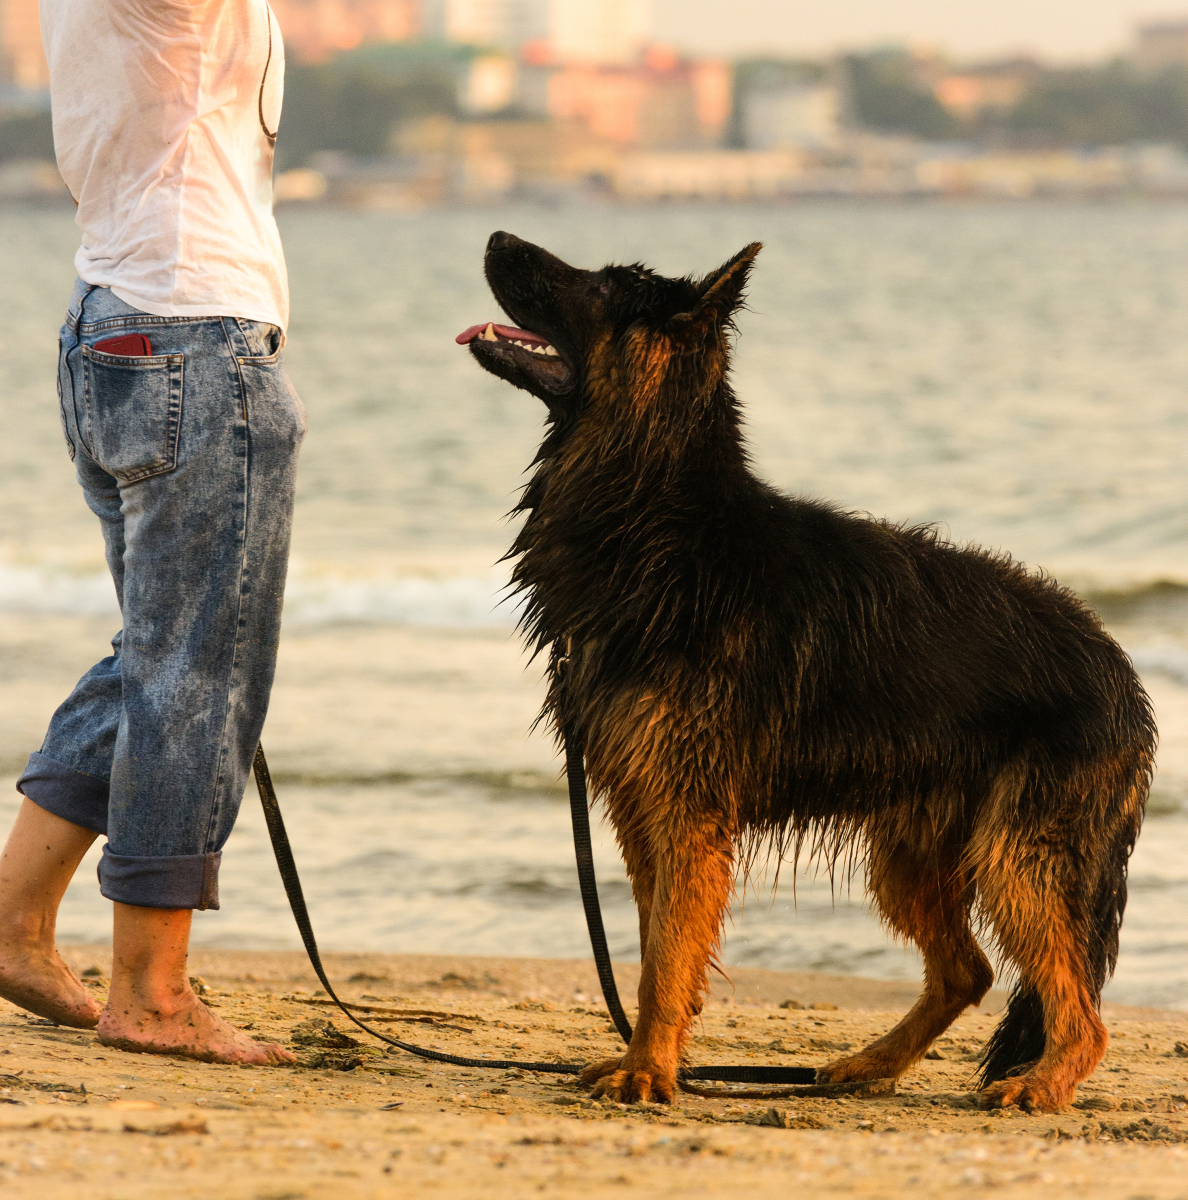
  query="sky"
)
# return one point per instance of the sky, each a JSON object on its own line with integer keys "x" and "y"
{"x": 1066, "y": 30}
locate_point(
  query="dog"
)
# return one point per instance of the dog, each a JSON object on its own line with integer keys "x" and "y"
{"x": 750, "y": 671}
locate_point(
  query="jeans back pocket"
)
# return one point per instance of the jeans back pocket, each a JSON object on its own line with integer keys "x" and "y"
{"x": 134, "y": 412}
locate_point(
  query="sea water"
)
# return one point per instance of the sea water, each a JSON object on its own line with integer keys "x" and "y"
{"x": 1013, "y": 373}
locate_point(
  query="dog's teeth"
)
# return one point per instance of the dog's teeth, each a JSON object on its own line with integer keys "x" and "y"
{"x": 549, "y": 350}
{"x": 489, "y": 334}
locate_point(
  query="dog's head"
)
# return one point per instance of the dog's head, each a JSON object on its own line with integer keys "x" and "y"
{"x": 620, "y": 329}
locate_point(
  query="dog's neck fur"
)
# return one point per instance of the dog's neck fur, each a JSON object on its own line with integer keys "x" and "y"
{"x": 627, "y": 497}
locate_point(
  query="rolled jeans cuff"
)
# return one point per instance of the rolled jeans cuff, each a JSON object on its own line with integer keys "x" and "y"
{"x": 65, "y": 792}
{"x": 172, "y": 881}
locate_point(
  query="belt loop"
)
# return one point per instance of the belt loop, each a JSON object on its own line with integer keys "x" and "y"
{"x": 82, "y": 300}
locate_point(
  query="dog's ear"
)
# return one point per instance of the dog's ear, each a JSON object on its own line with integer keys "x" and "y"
{"x": 722, "y": 290}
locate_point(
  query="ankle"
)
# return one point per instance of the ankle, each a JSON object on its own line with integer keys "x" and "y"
{"x": 140, "y": 996}
{"x": 30, "y": 931}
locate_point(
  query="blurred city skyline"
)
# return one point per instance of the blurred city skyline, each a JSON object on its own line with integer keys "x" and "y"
{"x": 1061, "y": 31}
{"x": 1069, "y": 30}
{"x": 398, "y": 104}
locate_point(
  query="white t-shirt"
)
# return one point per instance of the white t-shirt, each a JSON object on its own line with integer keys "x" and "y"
{"x": 157, "y": 126}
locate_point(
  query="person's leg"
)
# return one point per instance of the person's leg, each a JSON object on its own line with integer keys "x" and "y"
{"x": 197, "y": 526}
{"x": 206, "y": 524}
{"x": 40, "y": 857}
{"x": 202, "y": 437}
{"x": 66, "y": 796}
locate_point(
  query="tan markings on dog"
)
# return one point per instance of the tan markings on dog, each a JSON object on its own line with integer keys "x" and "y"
{"x": 604, "y": 373}
{"x": 1026, "y": 895}
{"x": 1076, "y": 1039}
{"x": 647, "y": 358}
{"x": 925, "y": 898}
{"x": 677, "y": 842}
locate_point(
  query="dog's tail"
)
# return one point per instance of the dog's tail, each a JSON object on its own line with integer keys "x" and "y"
{"x": 1019, "y": 1039}
{"x": 1075, "y": 885}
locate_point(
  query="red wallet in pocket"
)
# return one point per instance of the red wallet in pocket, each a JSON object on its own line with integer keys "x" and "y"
{"x": 131, "y": 345}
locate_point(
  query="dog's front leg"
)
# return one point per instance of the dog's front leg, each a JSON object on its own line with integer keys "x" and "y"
{"x": 694, "y": 877}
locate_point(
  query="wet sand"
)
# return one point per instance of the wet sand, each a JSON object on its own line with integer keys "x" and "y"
{"x": 356, "y": 1121}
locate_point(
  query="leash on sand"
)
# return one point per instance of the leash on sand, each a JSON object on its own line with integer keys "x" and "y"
{"x": 804, "y": 1078}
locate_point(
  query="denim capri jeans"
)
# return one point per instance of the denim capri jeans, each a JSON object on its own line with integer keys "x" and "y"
{"x": 188, "y": 458}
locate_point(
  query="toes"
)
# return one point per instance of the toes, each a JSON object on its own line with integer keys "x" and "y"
{"x": 1031, "y": 1095}
{"x": 608, "y": 1086}
{"x": 633, "y": 1087}
{"x": 590, "y": 1075}
{"x": 855, "y": 1068}
{"x": 991, "y": 1097}
{"x": 623, "y": 1087}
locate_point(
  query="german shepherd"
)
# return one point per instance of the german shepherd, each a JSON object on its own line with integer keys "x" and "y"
{"x": 750, "y": 670}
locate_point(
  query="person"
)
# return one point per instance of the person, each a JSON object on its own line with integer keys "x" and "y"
{"x": 184, "y": 430}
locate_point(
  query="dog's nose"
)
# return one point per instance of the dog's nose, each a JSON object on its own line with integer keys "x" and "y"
{"x": 500, "y": 240}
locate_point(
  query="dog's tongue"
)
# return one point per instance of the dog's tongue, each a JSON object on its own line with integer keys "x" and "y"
{"x": 491, "y": 332}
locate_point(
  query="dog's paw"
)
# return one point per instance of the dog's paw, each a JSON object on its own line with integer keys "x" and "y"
{"x": 855, "y": 1068}
{"x": 1028, "y": 1092}
{"x": 611, "y": 1080}
{"x": 629, "y": 1087}
{"x": 590, "y": 1075}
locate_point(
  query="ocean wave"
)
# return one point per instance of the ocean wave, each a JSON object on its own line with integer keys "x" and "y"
{"x": 56, "y": 592}
{"x": 1135, "y": 601}
{"x": 450, "y": 601}
{"x": 465, "y": 601}
{"x": 1171, "y": 661}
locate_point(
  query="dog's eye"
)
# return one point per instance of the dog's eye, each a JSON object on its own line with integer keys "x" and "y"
{"x": 604, "y": 288}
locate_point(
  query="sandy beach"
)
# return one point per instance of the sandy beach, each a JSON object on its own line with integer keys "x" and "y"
{"x": 353, "y": 1120}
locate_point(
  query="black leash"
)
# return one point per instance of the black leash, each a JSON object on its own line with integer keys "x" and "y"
{"x": 580, "y": 814}
{"x": 292, "y": 882}
{"x": 583, "y": 849}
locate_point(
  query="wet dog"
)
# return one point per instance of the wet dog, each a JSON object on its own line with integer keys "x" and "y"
{"x": 750, "y": 670}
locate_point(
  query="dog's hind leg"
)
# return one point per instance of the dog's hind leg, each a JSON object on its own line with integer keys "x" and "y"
{"x": 693, "y": 882}
{"x": 924, "y": 897}
{"x": 1054, "y": 886}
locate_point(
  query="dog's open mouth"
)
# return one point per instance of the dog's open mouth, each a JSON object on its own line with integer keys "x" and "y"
{"x": 490, "y": 332}
{"x": 505, "y": 346}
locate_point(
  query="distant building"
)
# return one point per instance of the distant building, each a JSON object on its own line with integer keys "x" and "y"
{"x": 663, "y": 102}
{"x": 22, "y": 59}
{"x": 501, "y": 24}
{"x": 317, "y": 30}
{"x": 993, "y": 87}
{"x": 1017, "y": 176}
{"x": 791, "y": 115}
{"x": 708, "y": 175}
{"x": 479, "y": 22}
{"x": 489, "y": 84}
{"x": 598, "y": 31}
{"x": 1161, "y": 44}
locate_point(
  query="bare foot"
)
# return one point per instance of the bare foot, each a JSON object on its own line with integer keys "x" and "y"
{"x": 188, "y": 1029}
{"x": 38, "y": 981}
